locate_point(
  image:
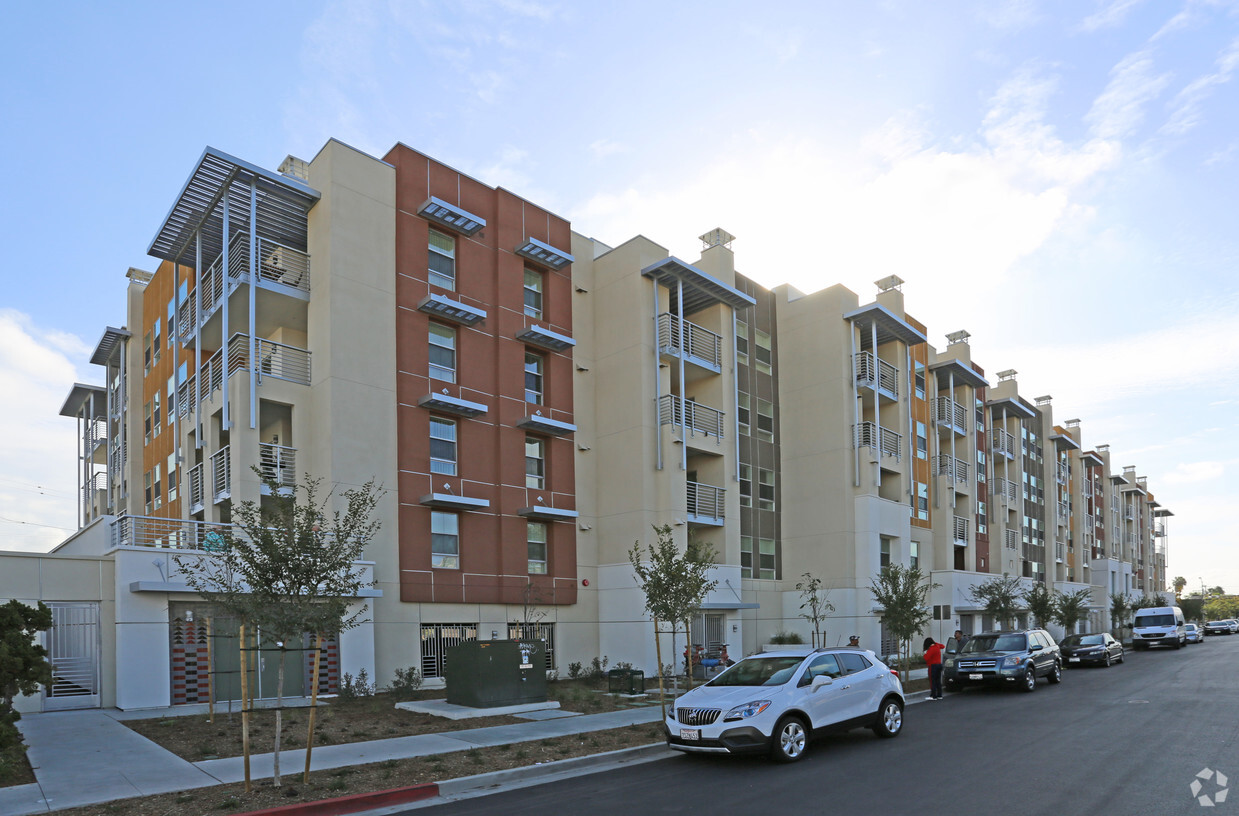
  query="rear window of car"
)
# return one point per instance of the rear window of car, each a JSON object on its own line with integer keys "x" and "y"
{"x": 853, "y": 663}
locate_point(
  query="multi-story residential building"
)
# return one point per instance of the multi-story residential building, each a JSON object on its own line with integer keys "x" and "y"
{"x": 535, "y": 402}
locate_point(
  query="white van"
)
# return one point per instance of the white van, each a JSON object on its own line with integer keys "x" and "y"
{"x": 1158, "y": 625}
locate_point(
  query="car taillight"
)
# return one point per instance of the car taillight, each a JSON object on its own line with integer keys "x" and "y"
{"x": 894, "y": 672}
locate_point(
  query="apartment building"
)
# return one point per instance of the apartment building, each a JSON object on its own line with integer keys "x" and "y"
{"x": 535, "y": 402}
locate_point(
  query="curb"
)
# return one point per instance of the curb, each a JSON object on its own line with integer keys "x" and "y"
{"x": 356, "y": 803}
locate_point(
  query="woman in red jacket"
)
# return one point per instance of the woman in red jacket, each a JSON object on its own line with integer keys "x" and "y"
{"x": 933, "y": 659}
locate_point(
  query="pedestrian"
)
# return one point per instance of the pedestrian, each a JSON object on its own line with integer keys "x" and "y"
{"x": 960, "y": 639}
{"x": 933, "y": 659}
{"x": 854, "y": 640}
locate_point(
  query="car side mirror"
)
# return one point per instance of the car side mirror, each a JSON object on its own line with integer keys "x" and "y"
{"x": 819, "y": 681}
{"x": 1035, "y": 648}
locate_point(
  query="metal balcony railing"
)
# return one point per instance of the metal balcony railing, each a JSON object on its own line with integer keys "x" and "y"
{"x": 702, "y": 343}
{"x": 195, "y": 488}
{"x": 1064, "y": 511}
{"x": 890, "y": 443}
{"x": 1003, "y": 443}
{"x": 278, "y": 464}
{"x": 1129, "y": 514}
{"x": 1060, "y": 473}
{"x": 168, "y": 533}
{"x": 1088, "y": 488}
{"x": 1012, "y": 539}
{"x": 221, "y": 475}
{"x": 277, "y": 264}
{"x": 1090, "y": 521}
{"x": 275, "y": 360}
{"x": 706, "y": 502}
{"x": 1059, "y": 552}
{"x": 700, "y": 419}
{"x": 949, "y": 412}
{"x": 874, "y": 372}
{"x": 954, "y": 469}
{"x": 1008, "y": 489}
{"x": 959, "y": 530}
{"x": 1159, "y": 530}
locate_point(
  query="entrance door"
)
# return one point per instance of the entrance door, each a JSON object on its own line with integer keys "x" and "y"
{"x": 73, "y": 651}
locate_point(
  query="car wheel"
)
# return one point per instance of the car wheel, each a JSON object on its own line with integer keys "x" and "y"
{"x": 790, "y": 740}
{"x": 889, "y": 721}
{"x": 1177, "y": 644}
{"x": 1056, "y": 673}
{"x": 1030, "y": 679}
{"x": 950, "y": 685}
{"x": 1122, "y": 654}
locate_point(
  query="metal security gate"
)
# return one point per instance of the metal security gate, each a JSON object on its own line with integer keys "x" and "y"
{"x": 73, "y": 650}
{"x": 437, "y": 638}
{"x": 707, "y": 631}
{"x": 544, "y": 632}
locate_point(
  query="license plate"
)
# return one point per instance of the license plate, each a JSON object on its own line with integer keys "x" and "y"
{"x": 974, "y": 677}
{"x": 1073, "y": 660}
{"x": 690, "y": 734}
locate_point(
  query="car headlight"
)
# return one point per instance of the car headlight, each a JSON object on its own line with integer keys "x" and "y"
{"x": 1012, "y": 660}
{"x": 949, "y": 662}
{"x": 746, "y": 710}
{"x": 671, "y": 712}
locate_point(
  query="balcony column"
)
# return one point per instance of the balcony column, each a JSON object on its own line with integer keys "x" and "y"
{"x": 679, "y": 294}
{"x": 950, "y": 380}
{"x": 253, "y": 356}
{"x": 855, "y": 413}
{"x": 735, "y": 394}
{"x": 658, "y": 397}
{"x": 909, "y": 392}
{"x": 176, "y": 383}
{"x": 198, "y": 342}
{"x": 226, "y": 419}
{"x": 877, "y": 399}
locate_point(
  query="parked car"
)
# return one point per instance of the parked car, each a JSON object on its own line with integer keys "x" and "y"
{"x": 1158, "y": 626}
{"x": 1234, "y": 626}
{"x": 1217, "y": 627}
{"x": 1095, "y": 649}
{"x": 1195, "y": 634}
{"x": 776, "y": 702}
{"x": 1015, "y": 658}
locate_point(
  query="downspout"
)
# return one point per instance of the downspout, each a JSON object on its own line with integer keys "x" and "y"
{"x": 679, "y": 292}
{"x": 735, "y": 391}
{"x": 954, "y": 460}
{"x": 252, "y": 355}
{"x": 855, "y": 411}
{"x": 176, "y": 370}
{"x": 226, "y": 420}
{"x": 877, "y": 398}
{"x": 198, "y": 372}
{"x": 658, "y": 398}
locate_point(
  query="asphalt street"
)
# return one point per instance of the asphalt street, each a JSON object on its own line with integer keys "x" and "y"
{"x": 1125, "y": 740}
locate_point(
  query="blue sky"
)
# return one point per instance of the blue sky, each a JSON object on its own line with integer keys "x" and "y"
{"x": 1059, "y": 179}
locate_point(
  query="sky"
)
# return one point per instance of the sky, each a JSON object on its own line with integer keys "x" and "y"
{"x": 1059, "y": 179}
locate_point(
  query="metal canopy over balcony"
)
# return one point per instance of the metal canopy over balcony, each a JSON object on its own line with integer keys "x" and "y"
{"x": 108, "y": 344}
{"x": 1062, "y": 440}
{"x": 537, "y": 422}
{"x": 283, "y": 203}
{"x": 1118, "y": 478}
{"x": 543, "y": 253}
{"x": 1162, "y": 512}
{"x": 457, "y": 219}
{"x": 964, "y": 374}
{"x": 79, "y": 397}
{"x": 889, "y": 327}
{"x": 1015, "y": 407}
{"x": 452, "y": 310}
{"x": 453, "y": 501}
{"x": 452, "y": 405}
{"x": 545, "y": 338}
{"x": 543, "y": 513}
{"x": 701, "y": 290}
{"x": 1092, "y": 459}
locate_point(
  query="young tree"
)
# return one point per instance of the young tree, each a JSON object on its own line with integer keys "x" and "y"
{"x": 1071, "y": 607}
{"x": 1179, "y": 583}
{"x": 675, "y": 585}
{"x": 1221, "y": 608}
{"x": 23, "y": 662}
{"x": 1040, "y": 604}
{"x": 1119, "y": 610}
{"x": 288, "y": 566}
{"x": 999, "y": 597}
{"x": 901, "y": 592}
{"x": 817, "y": 601}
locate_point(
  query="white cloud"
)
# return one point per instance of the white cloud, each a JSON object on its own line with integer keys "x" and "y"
{"x": 1120, "y": 107}
{"x": 601, "y": 148}
{"x": 1187, "y": 104}
{"x": 1009, "y": 15}
{"x": 37, "y": 504}
{"x": 1111, "y": 14}
{"x": 1194, "y": 472}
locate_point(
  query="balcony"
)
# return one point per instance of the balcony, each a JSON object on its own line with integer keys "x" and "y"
{"x": 1059, "y": 552}
{"x": 876, "y": 374}
{"x": 1090, "y": 521}
{"x": 1129, "y": 514}
{"x": 1159, "y": 530}
{"x": 221, "y": 475}
{"x": 703, "y": 348}
{"x": 278, "y": 264}
{"x": 959, "y": 531}
{"x": 196, "y": 504}
{"x": 1003, "y": 443}
{"x": 278, "y": 465}
{"x": 956, "y": 470}
{"x": 167, "y": 533}
{"x": 705, "y": 504}
{"x": 950, "y": 414}
{"x": 696, "y": 417}
{"x": 1061, "y": 473}
{"x": 277, "y": 361}
{"x": 1011, "y": 538}
{"x": 1008, "y": 490}
{"x": 1064, "y": 512}
{"x": 1088, "y": 489}
{"x": 888, "y": 442}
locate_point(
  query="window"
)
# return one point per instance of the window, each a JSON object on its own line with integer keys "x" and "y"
{"x": 765, "y": 489}
{"x": 535, "y": 462}
{"x": 922, "y": 441}
{"x": 746, "y": 556}
{"x": 156, "y": 343}
{"x": 742, "y": 413}
{"x": 442, "y": 261}
{"x": 742, "y": 343}
{"x": 171, "y": 395}
{"x": 765, "y": 356}
{"x": 981, "y": 520}
{"x": 533, "y": 377}
{"x": 146, "y": 480}
{"x": 884, "y": 557}
{"x": 158, "y": 486}
{"x": 765, "y": 558}
{"x": 920, "y": 379}
{"x": 981, "y": 466}
{"x": 826, "y": 665}
{"x": 765, "y": 420}
{"x": 746, "y": 485}
{"x": 442, "y": 352}
{"x": 922, "y": 501}
{"x": 146, "y": 421}
{"x": 171, "y": 477}
{"x": 155, "y": 415}
{"x": 536, "y": 536}
{"x": 444, "y": 540}
{"x": 914, "y": 554}
{"x": 442, "y": 446}
{"x": 146, "y": 352}
{"x": 171, "y": 320}
{"x": 533, "y": 293}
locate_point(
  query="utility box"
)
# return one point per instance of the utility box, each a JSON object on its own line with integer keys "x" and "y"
{"x": 493, "y": 673}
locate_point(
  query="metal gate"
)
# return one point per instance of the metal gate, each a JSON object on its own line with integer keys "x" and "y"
{"x": 437, "y": 638}
{"x": 73, "y": 651}
{"x": 544, "y": 632}
{"x": 707, "y": 631}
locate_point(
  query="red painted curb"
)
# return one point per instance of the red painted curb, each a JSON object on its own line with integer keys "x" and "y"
{"x": 352, "y": 804}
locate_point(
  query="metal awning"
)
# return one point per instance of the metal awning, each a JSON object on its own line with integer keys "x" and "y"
{"x": 545, "y": 338}
{"x": 283, "y": 203}
{"x": 701, "y": 290}
{"x": 543, "y": 253}
{"x": 452, "y": 501}
{"x": 1162, "y": 513}
{"x": 542, "y": 513}
{"x": 537, "y": 422}
{"x": 452, "y": 405}
{"x": 889, "y": 326}
{"x": 964, "y": 373}
{"x": 449, "y": 309}
{"x": 1014, "y": 406}
{"x": 1062, "y": 440}
{"x": 1119, "y": 478}
{"x": 457, "y": 219}
{"x": 107, "y": 345}
{"x": 80, "y": 395}
{"x": 1092, "y": 459}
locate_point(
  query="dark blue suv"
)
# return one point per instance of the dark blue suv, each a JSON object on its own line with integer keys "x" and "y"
{"x": 1014, "y": 658}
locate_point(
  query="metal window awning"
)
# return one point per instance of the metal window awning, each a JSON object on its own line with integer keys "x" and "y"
{"x": 1015, "y": 407}
{"x": 889, "y": 326}
{"x": 283, "y": 203}
{"x": 452, "y": 405}
{"x": 1092, "y": 459}
{"x": 543, "y": 253}
{"x": 457, "y": 219}
{"x": 1162, "y": 513}
{"x": 545, "y": 338}
{"x": 1118, "y": 478}
{"x": 453, "y": 310}
{"x": 542, "y": 513}
{"x": 451, "y": 500}
{"x": 701, "y": 290}
{"x": 964, "y": 373}
{"x": 537, "y": 422}
{"x": 80, "y": 395}
{"x": 1062, "y": 440}
{"x": 108, "y": 344}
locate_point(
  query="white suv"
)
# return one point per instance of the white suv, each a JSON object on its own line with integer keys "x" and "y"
{"x": 777, "y": 701}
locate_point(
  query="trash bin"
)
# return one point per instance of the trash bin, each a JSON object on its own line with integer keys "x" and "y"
{"x": 626, "y": 681}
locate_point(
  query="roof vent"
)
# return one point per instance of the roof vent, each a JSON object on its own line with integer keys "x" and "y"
{"x": 888, "y": 283}
{"x": 1044, "y": 400}
{"x": 1009, "y": 374}
{"x": 295, "y": 167}
{"x": 958, "y": 337}
{"x": 717, "y": 237}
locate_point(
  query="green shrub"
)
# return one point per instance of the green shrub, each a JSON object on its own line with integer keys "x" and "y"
{"x": 786, "y": 638}
{"x": 405, "y": 682}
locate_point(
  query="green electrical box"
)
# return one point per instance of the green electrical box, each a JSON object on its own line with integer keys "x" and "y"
{"x": 493, "y": 673}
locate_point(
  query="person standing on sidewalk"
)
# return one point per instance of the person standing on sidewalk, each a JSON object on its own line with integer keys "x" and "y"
{"x": 933, "y": 659}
